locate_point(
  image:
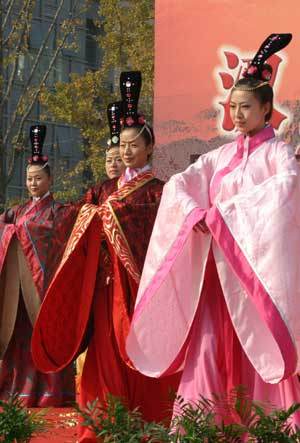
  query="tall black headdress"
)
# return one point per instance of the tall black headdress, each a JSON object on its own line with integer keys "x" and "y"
{"x": 114, "y": 116}
{"x": 257, "y": 68}
{"x": 37, "y": 138}
{"x": 130, "y": 86}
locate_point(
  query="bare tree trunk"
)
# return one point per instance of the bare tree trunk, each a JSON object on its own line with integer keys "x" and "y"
{"x": 2, "y": 147}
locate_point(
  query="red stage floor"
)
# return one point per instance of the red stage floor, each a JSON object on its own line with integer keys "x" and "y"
{"x": 62, "y": 428}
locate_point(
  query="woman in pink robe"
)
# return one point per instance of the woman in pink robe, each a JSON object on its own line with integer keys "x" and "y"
{"x": 220, "y": 294}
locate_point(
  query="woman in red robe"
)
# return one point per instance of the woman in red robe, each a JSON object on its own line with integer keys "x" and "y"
{"x": 32, "y": 240}
{"x": 114, "y": 167}
{"x": 102, "y": 264}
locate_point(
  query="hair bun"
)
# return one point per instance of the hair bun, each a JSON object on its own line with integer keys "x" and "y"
{"x": 266, "y": 72}
{"x": 263, "y": 72}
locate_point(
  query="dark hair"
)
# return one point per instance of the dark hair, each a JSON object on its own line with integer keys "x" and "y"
{"x": 108, "y": 148}
{"x": 41, "y": 164}
{"x": 147, "y": 133}
{"x": 261, "y": 89}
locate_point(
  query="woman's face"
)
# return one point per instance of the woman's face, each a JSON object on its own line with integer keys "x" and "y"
{"x": 38, "y": 181}
{"x": 114, "y": 165}
{"x": 247, "y": 113}
{"x": 133, "y": 149}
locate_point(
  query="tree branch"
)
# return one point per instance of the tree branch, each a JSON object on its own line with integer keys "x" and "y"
{"x": 23, "y": 10}
{"x": 16, "y": 59}
{"x": 33, "y": 101}
{"x": 42, "y": 48}
{"x": 9, "y": 9}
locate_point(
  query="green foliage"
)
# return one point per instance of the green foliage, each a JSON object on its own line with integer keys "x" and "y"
{"x": 233, "y": 419}
{"x": 273, "y": 427}
{"x": 17, "y": 423}
{"x": 222, "y": 420}
{"x": 124, "y": 33}
{"x": 25, "y": 70}
{"x": 201, "y": 422}
{"x": 69, "y": 186}
{"x": 113, "y": 423}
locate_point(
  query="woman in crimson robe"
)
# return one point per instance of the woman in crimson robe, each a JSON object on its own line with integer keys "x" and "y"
{"x": 228, "y": 266}
{"x": 102, "y": 264}
{"x": 32, "y": 239}
{"x": 114, "y": 167}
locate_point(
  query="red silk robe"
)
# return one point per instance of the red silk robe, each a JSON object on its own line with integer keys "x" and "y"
{"x": 103, "y": 263}
{"x": 32, "y": 240}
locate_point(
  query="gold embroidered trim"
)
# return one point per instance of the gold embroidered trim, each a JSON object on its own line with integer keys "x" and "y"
{"x": 82, "y": 222}
{"x": 117, "y": 238}
{"x": 112, "y": 225}
{"x": 131, "y": 186}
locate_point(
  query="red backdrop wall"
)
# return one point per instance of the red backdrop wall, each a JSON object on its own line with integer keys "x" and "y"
{"x": 200, "y": 49}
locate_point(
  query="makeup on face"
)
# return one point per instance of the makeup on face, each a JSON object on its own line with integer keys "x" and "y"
{"x": 247, "y": 113}
{"x": 114, "y": 165}
{"x": 38, "y": 182}
{"x": 133, "y": 149}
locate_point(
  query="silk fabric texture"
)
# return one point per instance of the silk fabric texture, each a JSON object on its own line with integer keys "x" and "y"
{"x": 31, "y": 245}
{"x": 248, "y": 191}
{"x": 103, "y": 263}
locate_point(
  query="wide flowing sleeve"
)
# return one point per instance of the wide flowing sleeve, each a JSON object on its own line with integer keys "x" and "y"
{"x": 170, "y": 286}
{"x": 63, "y": 318}
{"x": 64, "y": 217}
{"x": 258, "y": 237}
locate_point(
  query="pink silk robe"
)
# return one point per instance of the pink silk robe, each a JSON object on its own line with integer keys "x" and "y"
{"x": 225, "y": 305}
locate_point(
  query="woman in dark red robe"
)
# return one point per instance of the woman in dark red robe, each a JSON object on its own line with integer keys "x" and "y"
{"x": 32, "y": 240}
{"x": 114, "y": 167}
{"x": 102, "y": 264}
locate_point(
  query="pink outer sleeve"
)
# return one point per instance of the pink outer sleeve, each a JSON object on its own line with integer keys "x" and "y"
{"x": 171, "y": 285}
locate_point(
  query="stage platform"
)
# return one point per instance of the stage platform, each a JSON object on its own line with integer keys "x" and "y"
{"x": 63, "y": 427}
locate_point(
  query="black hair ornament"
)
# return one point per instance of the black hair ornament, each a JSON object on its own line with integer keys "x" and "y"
{"x": 37, "y": 138}
{"x": 130, "y": 87}
{"x": 257, "y": 68}
{"x": 114, "y": 116}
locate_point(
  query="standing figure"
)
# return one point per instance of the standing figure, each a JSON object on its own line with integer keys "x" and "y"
{"x": 220, "y": 290}
{"x": 102, "y": 264}
{"x": 32, "y": 239}
{"x": 114, "y": 167}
